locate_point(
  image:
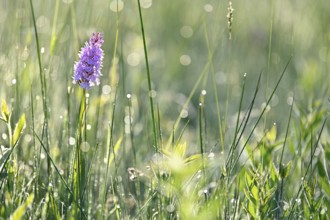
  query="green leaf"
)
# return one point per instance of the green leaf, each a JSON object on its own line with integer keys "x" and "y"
{"x": 273, "y": 172}
{"x": 271, "y": 135}
{"x": 56, "y": 212}
{"x": 19, "y": 212}
{"x": 18, "y": 129}
{"x": 5, "y": 153}
{"x": 180, "y": 150}
{"x": 321, "y": 169}
{"x": 249, "y": 195}
{"x": 327, "y": 154}
{"x": 192, "y": 158}
{"x": 3, "y": 160}
{"x": 269, "y": 194}
{"x": 325, "y": 186}
{"x": 285, "y": 170}
{"x": 252, "y": 210}
{"x": 116, "y": 148}
{"x": 252, "y": 190}
{"x": 309, "y": 192}
{"x": 4, "y": 111}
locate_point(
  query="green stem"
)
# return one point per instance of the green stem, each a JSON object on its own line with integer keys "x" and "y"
{"x": 269, "y": 54}
{"x": 201, "y": 144}
{"x": 214, "y": 84}
{"x": 307, "y": 169}
{"x": 78, "y": 164}
{"x": 149, "y": 80}
{"x": 262, "y": 112}
{"x": 10, "y": 134}
{"x": 43, "y": 89}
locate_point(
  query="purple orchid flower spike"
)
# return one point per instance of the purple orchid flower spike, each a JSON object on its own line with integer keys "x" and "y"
{"x": 87, "y": 70}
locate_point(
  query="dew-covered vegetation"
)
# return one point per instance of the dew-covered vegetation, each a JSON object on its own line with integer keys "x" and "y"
{"x": 205, "y": 109}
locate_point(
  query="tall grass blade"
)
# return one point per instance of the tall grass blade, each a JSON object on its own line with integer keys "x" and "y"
{"x": 307, "y": 170}
{"x": 237, "y": 127}
{"x": 269, "y": 52}
{"x": 215, "y": 87}
{"x": 43, "y": 88}
{"x": 61, "y": 177}
{"x": 186, "y": 103}
{"x": 262, "y": 112}
{"x": 54, "y": 37}
{"x": 149, "y": 80}
{"x": 19, "y": 212}
{"x": 111, "y": 151}
{"x": 280, "y": 190}
{"x": 230, "y": 166}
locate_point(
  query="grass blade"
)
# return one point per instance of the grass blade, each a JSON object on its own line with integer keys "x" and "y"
{"x": 149, "y": 80}
{"x": 262, "y": 113}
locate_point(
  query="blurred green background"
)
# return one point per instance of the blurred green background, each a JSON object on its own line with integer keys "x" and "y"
{"x": 176, "y": 33}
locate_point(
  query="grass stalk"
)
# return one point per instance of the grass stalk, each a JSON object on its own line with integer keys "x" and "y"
{"x": 229, "y": 167}
{"x": 186, "y": 103}
{"x": 110, "y": 147}
{"x": 181, "y": 134}
{"x": 131, "y": 131}
{"x": 78, "y": 168}
{"x": 215, "y": 87}
{"x": 262, "y": 113}
{"x": 37, "y": 152}
{"x": 76, "y": 202}
{"x": 280, "y": 191}
{"x": 149, "y": 80}
{"x": 6, "y": 161}
{"x": 200, "y": 129}
{"x": 159, "y": 129}
{"x": 54, "y": 37}
{"x": 269, "y": 53}
{"x": 43, "y": 88}
{"x": 113, "y": 73}
{"x": 232, "y": 148}
{"x": 307, "y": 170}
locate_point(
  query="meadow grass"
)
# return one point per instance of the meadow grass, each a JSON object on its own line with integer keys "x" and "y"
{"x": 205, "y": 111}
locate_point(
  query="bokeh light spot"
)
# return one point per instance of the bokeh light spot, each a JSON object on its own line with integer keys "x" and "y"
{"x": 208, "y": 8}
{"x": 185, "y": 60}
{"x": 106, "y": 89}
{"x": 146, "y": 3}
{"x": 186, "y": 31}
{"x": 42, "y": 21}
{"x": 4, "y": 136}
{"x": 84, "y": 147}
{"x": 72, "y": 140}
{"x": 113, "y": 5}
{"x": 133, "y": 59}
{"x": 184, "y": 113}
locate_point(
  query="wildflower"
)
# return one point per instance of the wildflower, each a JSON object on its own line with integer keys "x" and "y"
{"x": 87, "y": 70}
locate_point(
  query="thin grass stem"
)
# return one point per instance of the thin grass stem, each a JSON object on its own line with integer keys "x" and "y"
{"x": 110, "y": 146}
{"x": 237, "y": 128}
{"x": 307, "y": 169}
{"x": 61, "y": 177}
{"x": 269, "y": 53}
{"x": 215, "y": 88}
{"x": 149, "y": 80}
{"x": 263, "y": 111}
{"x": 43, "y": 88}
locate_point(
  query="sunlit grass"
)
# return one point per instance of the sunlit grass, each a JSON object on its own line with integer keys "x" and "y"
{"x": 206, "y": 110}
